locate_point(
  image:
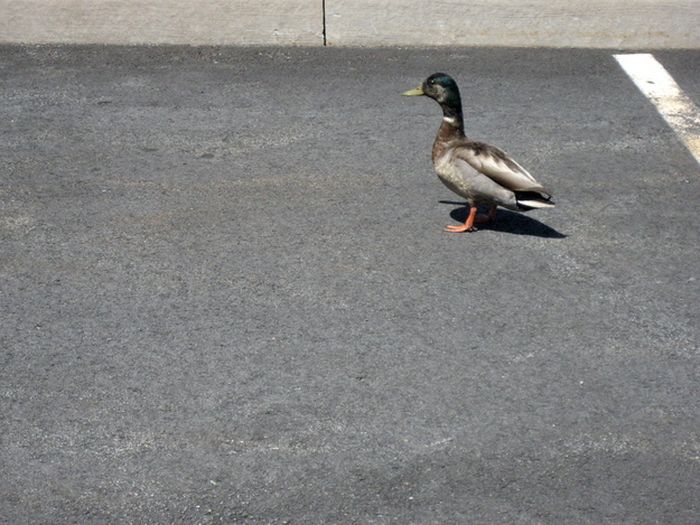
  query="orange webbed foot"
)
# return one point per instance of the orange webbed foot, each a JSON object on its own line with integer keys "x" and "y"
{"x": 459, "y": 229}
{"x": 468, "y": 225}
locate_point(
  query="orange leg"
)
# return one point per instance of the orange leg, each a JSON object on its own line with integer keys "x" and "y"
{"x": 490, "y": 216}
{"x": 468, "y": 225}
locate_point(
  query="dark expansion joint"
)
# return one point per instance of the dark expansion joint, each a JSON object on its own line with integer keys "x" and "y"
{"x": 323, "y": 10}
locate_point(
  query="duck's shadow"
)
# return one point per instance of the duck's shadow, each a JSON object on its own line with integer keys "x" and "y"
{"x": 509, "y": 222}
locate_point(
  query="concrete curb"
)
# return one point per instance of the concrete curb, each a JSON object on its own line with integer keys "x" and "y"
{"x": 514, "y": 23}
{"x": 535, "y": 23}
{"x": 207, "y": 22}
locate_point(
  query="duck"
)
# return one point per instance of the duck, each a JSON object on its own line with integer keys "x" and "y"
{"x": 480, "y": 173}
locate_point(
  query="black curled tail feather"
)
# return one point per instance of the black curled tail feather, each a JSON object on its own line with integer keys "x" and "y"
{"x": 529, "y": 200}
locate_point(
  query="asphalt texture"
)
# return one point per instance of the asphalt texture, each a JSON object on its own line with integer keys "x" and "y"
{"x": 227, "y": 296}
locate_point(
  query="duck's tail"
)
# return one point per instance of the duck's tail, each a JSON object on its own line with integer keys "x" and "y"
{"x": 528, "y": 200}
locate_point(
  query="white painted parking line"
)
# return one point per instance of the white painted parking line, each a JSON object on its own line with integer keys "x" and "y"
{"x": 681, "y": 114}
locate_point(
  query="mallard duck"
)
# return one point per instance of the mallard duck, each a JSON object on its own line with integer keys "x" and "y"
{"x": 479, "y": 172}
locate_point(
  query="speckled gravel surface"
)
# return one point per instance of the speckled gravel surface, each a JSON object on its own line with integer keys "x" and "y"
{"x": 227, "y": 296}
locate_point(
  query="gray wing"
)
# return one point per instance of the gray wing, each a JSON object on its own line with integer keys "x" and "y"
{"x": 467, "y": 181}
{"x": 500, "y": 167}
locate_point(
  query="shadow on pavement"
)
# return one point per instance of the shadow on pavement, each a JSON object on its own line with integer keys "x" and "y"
{"x": 509, "y": 222}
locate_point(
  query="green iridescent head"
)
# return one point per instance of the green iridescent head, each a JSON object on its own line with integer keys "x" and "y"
{"x": 441, "y": 87}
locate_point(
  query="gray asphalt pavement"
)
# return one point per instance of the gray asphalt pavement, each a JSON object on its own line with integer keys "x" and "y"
{"x": 227, "y": 296}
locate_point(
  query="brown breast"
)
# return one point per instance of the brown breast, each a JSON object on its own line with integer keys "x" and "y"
{"x": 446, "y": 134}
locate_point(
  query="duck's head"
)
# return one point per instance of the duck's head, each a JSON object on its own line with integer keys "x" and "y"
{"x": 441, "y": 87}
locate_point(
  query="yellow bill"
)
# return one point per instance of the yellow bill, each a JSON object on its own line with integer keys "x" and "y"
{"x": 413, "y": 92}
